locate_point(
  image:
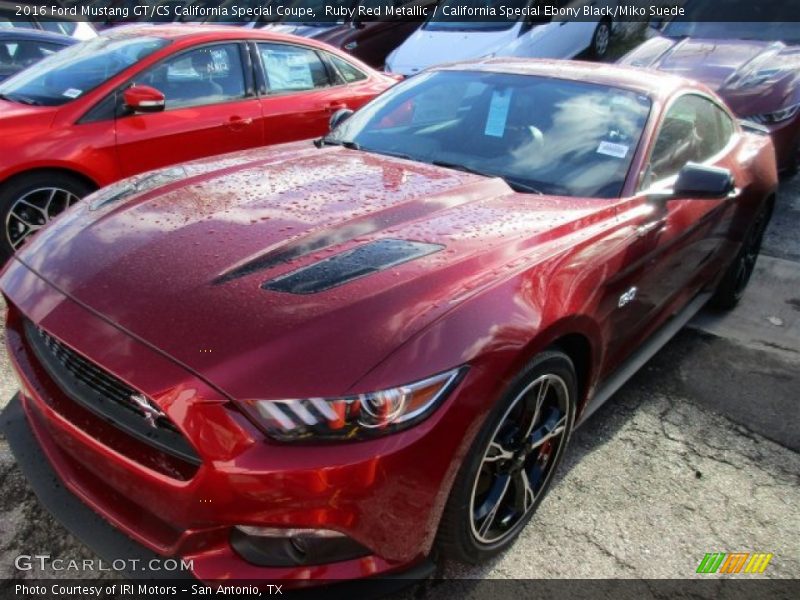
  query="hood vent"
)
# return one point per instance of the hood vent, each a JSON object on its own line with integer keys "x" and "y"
{"x": 347, "y": 266}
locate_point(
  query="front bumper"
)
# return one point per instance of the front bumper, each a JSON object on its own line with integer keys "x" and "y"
{"x": 115, "y": 548}
{"x": 368, "y": 491}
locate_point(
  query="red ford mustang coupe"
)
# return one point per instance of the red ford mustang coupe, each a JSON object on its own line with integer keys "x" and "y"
{"x": 141, "y": 98}
{"x": 333, "y": 359}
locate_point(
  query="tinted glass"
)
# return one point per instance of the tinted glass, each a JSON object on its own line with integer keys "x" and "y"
{"x": 292, "y": 68}
{"x": 8, "y": 18}
{"x": 62, "y": 27}
{"x": 23, "y": 53}
{"x": 551, "y": 135}
{"x": 694, "y": 129}
{"x": 348, "y": 72}
{"x": 207, "y": 75}
{"x": 76, "y": 70}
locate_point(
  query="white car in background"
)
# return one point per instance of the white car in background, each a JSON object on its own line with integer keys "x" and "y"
{"x": 443, "y": 39}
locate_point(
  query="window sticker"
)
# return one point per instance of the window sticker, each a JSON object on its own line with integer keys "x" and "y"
{"x": 612, "y": 149}
{"x": 498, "y": 113}
{"x": 288, "y": 71}
{"x": 72, "y": 93}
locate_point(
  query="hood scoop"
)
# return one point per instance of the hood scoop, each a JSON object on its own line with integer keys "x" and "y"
{"x": 345, "y": 267}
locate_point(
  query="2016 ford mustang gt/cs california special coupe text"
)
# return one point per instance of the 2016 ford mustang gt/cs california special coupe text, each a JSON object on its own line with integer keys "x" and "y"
{"x": 336, "y": 359}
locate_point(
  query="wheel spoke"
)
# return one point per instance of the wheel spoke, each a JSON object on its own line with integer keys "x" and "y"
{"x": 541, "y": 395}
{"x": 557, "y": 430}
{"x": 519, "y": 458}
{"x": 32, "y": 207}
{"x": 34, "y": 210}
{"x": 525, "y": 495}
{"x": 47, "y": 204}
{"x": 492, "y": 504}
{"x": 497, "y": 452}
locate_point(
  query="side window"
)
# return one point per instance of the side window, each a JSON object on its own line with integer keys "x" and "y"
{"x": 62, "y": 27}
{"x": 292, "y": 68}
{"x": 23, "y": 53}
{"x": 726, "y": 127}
{"x": 207, "y": 75}
{"x": 8, "y": 18}
{"x": 348, "y": 72}
{"x": 694, "y": 129}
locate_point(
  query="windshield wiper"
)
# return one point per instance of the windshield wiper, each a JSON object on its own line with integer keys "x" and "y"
{"x": 521, "y": 186}
{"x": 326, "y": 141}
{"x": 515, "y": 184}
{"x": 460, "y": 167}
{"x": 20, "y": 99}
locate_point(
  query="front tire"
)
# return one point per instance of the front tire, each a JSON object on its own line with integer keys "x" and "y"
{"x": 29, "y": 202}
{"x": 511, "y": 463}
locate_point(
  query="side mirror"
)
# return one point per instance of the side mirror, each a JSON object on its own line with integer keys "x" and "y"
{"x": 700, "y": 181}
{"x": 143, "y": 99}
{"x": 339, "y": 117}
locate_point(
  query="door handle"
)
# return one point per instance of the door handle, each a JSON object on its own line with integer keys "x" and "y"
{"x": 334, "y": 106}
{"x": 237, "y": 123}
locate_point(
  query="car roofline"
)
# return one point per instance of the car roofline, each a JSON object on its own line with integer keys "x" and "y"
{"x": 654, "y": 84}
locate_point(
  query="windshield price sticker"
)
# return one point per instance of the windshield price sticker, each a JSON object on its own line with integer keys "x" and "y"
{"x": 498, "y": 113}
{"x": 612, "y": 149}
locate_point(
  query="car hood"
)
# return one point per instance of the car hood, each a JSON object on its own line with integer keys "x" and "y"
{"x": 23, "y": 116}
{"x": 753, "y": 76}
{"x": 538, "y": 42}
{"x": 182, "y": 266}
{"x": 425, "y": 48}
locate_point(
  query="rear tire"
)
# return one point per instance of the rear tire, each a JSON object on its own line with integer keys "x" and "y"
{"x": 29, "y": 202}
{"x": 512, "y": 459}
{"x": 733, "y": 284}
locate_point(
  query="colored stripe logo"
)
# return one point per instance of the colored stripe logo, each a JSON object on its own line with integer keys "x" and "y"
{"x": 734, "y": 562}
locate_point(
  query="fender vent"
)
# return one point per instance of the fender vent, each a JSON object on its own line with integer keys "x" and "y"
{"x": 347, "y": 266}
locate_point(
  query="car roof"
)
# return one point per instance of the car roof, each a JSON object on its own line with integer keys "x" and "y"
{"x": 35, "y": 35}
{"x": 655, "y": 84}
{"x": 213, "y": 32}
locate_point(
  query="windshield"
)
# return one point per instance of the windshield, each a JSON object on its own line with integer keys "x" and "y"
{"x": 764, "y": 20}
{"x": 74, "y": 71}
{"x": 474, "y": 15}
{"x": 538, "y": 133}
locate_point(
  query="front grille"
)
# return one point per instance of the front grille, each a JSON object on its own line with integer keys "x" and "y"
{"x": 108, "y": 397}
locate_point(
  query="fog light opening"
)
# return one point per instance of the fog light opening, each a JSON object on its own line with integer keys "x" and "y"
{"x": 279, "y": 547}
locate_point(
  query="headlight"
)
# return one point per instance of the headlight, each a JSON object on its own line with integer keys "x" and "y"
{"x": 355, "y": 417}
{"x": 783, "y": 114}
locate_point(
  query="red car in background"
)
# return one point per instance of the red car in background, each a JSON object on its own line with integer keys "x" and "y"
{"x": 752, "y": 63}
{"x": 139, "y": 98}
{"x": 330, "y": 360}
